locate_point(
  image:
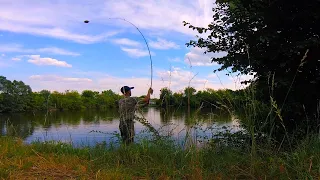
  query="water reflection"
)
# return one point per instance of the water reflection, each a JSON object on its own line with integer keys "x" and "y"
{"x": 90, "y": 127}
{"x": 16, "y": 125}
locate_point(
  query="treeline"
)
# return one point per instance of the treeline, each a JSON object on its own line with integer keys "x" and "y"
{"x": 208, "y": 98}
{"x": 16, "y": 96}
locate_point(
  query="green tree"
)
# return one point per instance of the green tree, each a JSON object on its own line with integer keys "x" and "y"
{"x": 6, "y": 99}
{"x": 277, "y": 40}
{"x": 41, "y": 100}
{"x": 22, "y": 96}
{"x": 108, "y": 99}
{"x": 72, "y": 100}
{"x": 178, "y": 98}
{"x": 203, "y": 98}
{"x": 166, "y": 98}
{"x": 38, "y": 101}
{"x": 56, "y": 100}
{"x": 189, "y": 96}
{"x": 89, "y": 99}
{"x": 15, "y": 96}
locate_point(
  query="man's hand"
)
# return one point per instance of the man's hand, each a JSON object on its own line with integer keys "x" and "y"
{"x": 150, "y": 91}
{"x": 147, "y": 98}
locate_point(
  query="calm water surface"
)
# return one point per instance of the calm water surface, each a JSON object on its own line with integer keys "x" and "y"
{"x": 90, "y": 127}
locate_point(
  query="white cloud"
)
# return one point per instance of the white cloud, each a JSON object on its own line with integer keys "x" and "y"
{"x": 50, "y": 50}
{"x": 133, "y": 49}
{"x": 3, "y": 55}
{"x": 178, "y": 79}
{"x": 176, "y": 59}
{"x": 42, "y": 18}
{"x": 16, "y": 59}
{"x": 198, "y": 58}
{"x": 163, "y": 44}
{"x": 11, "y": 48}
{"x": 57, "y": 78}
{"x": 212, "y": 75}
{"x": 125, "y": 41}
{"x": 134, "y": 52}
{"x": 55, "y": 50}
{"x": 37, "y": 60}
{"x": 55, "y": 32}
{"x": 163, "y": 15}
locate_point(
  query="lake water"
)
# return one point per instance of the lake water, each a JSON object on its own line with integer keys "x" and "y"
{"x": 86, "y": 128}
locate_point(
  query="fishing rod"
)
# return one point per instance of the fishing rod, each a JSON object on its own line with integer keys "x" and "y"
{"x": 87, "y": 21}
{"x": 141, "y": 120}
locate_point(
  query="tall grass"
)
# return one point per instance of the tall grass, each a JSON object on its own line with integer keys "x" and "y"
{"x": 160, "y": 159}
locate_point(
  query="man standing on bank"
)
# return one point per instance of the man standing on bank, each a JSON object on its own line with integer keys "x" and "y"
{"x": 127, "y": 107}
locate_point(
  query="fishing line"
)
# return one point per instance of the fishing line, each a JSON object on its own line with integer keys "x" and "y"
{"x": 87, "y": 21}
{"x": 144, "y": 41}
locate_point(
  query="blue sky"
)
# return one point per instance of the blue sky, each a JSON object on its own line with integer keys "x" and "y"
{"x": 47, "y": 45}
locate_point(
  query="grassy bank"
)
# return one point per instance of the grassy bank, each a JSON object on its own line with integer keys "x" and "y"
{"x": 155, "y": 160}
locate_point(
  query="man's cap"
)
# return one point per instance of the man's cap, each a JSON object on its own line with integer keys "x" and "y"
{"x": 125, "y": 89}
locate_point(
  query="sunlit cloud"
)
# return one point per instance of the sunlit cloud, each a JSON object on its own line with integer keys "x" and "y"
{"x": 126, "y": 41}
{"x": 197, "y": 57}
{"x": 17, "y": 48}
{"x": 37, "y": 60}
{"x": 135, "y": 52}
{"x": 163, "y": 44}
{"x": 57, "y": 78}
